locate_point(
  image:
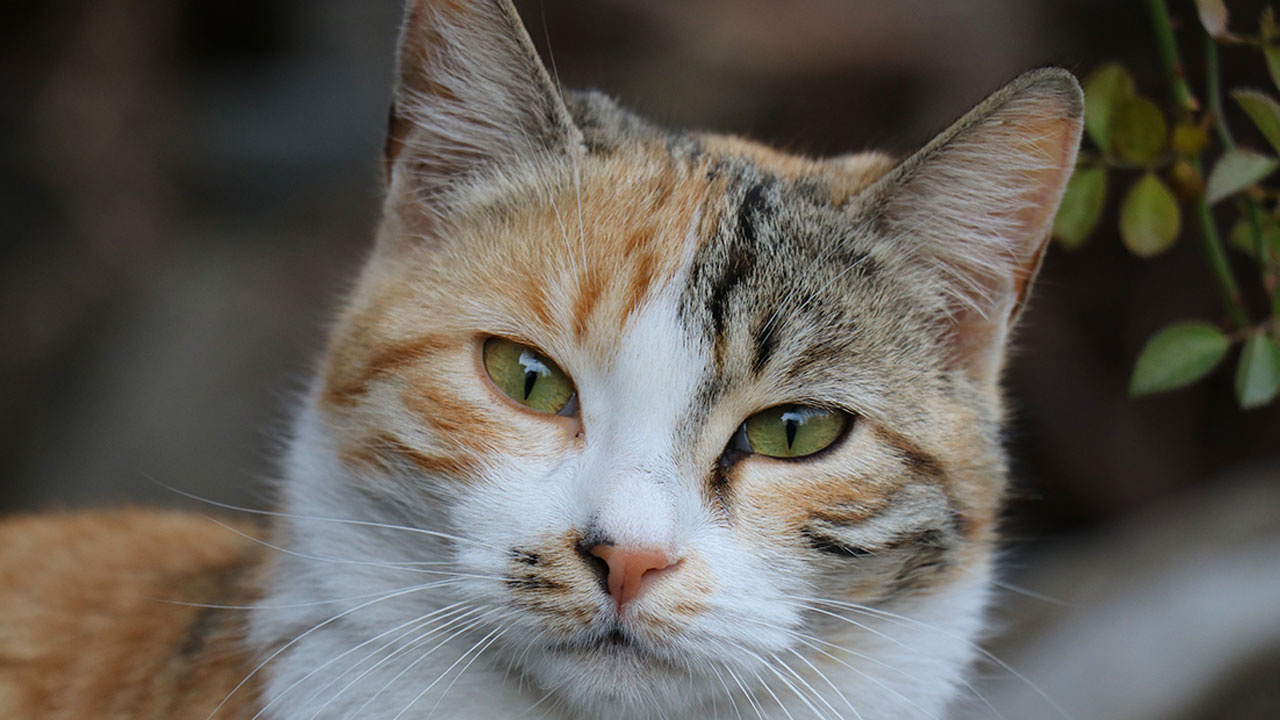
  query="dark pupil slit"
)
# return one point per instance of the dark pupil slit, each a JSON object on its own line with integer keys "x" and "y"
{"x": 792, "y": 426}
{"x": 530, "y": 379}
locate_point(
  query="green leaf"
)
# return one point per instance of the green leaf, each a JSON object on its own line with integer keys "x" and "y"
{"x": 1103, "y": 90}
{"x": 1177, "y": 355}
{"x": 1272, "y": 54}
{"x": 1241, "y": 238}
{"x": 1189, "y": 140}
{"x": 1263, "y": 111}
{"x": 1271, "y": 235}
{"x": 1236, "y": 170}
{"x": 1138, "y": 130}
{"x": 1149, "y": 217}
{"x": 1258, "y": 374}
{"x": 1081, "y": 207}
{"x": 1213, "y": 15}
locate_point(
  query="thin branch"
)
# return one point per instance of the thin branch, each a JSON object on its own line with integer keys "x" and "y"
{"x": 1165, "y": 43}
{"x": 1214, "y": 251}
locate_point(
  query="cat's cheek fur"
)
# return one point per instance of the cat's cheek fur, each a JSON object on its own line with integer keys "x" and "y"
{"x": 735, "y": 605}
{"x": 438, "y": 539}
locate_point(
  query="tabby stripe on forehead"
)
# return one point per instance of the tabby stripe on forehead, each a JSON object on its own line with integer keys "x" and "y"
{"x": 740, "y": 257}
{"x": 766, "y": 343}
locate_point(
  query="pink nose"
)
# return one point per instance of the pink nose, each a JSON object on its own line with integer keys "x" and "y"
{"x": 631, "y": 569}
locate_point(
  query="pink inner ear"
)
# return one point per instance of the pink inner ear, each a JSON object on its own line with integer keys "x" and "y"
{"x": 977, "y": 206}
{"x": 1051, "y": 136}
{"x": 980, "y": 334}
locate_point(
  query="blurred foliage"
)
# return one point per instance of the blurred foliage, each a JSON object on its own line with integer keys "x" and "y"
{"x": 1182, "y": 162}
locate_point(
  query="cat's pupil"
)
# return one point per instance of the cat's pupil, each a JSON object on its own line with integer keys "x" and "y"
{"x": 792, "y": 426}
{"x": 534, "y": 368}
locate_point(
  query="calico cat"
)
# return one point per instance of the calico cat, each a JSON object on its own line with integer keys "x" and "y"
{"x": 618, "y": 422}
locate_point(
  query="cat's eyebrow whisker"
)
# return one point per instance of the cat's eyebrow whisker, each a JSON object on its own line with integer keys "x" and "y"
{"x": 550, "y": 197}
{"x": 573, "y": 150}
{"x": 767, "y": 329}
{"x": 876, "y": 612}
{"x": 416, "y": 622}
{"x": 822, "y": 255}
{"x": 814, "y": 295}
{"x": 315, "y": 518}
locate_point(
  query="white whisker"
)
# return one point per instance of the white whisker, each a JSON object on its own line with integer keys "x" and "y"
{"x": 276, "y": 653}
{"x": 876, "y": 612}
{"x": 343, "y": 521}
{"x": 474, "y": 623}
{"x": 465, "y": 616}
{"x": 463, "y": 656}
{"x": 312, "y": 673}
{"x": 344, "y": 561}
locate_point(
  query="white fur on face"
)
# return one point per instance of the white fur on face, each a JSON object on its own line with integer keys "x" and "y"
{"x": 760, "y": 640}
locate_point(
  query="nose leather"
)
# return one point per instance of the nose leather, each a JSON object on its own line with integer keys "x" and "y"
{"x": 631, "y": 569}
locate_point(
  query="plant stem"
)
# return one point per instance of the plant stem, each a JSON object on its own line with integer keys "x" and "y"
{"x": 1217, "y": 257}
{"x": 1165, "y": 43}
{"x": 1213, "y": 249}
{"x": 1213, "y": 88}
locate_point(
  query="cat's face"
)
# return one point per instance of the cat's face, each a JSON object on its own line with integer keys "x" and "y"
{"x": 687, "y": 405}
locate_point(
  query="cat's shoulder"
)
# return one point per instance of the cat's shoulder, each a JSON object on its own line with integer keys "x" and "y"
{"x": 110, "y": 615}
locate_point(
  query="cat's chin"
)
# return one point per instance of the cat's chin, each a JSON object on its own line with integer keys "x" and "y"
{"x": 613, "y": 670}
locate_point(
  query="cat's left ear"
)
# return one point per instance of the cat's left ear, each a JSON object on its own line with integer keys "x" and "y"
{"x": 471, "y": 96}
{"x": 975, "y": 207}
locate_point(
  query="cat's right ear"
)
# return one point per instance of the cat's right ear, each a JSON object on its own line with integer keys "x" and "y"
{"x": 973, "y": 209}
{"x": 471, "y": 93}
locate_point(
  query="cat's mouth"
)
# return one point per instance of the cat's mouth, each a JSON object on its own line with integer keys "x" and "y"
{"x": 615, "y": 640}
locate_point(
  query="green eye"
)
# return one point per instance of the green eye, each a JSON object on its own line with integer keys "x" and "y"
{"x": 526, "y": 376}
{"x": 790, "y": 431}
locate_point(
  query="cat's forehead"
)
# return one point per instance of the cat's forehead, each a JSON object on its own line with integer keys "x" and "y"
{"x": 761, "y": 257}
{"x": 605, "y": 128}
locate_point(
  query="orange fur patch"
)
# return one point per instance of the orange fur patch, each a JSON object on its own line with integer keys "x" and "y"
{"x": 89, "y": 629}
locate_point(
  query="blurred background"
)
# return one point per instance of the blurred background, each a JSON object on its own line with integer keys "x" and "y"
{"x": 188, "y": 186}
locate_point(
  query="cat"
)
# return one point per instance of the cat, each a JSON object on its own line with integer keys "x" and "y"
{"x": 617, "y": 422}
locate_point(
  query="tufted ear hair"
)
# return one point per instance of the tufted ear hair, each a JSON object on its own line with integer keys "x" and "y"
{"x": 974, "y": 209}
{"x": 471, "y": 95}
